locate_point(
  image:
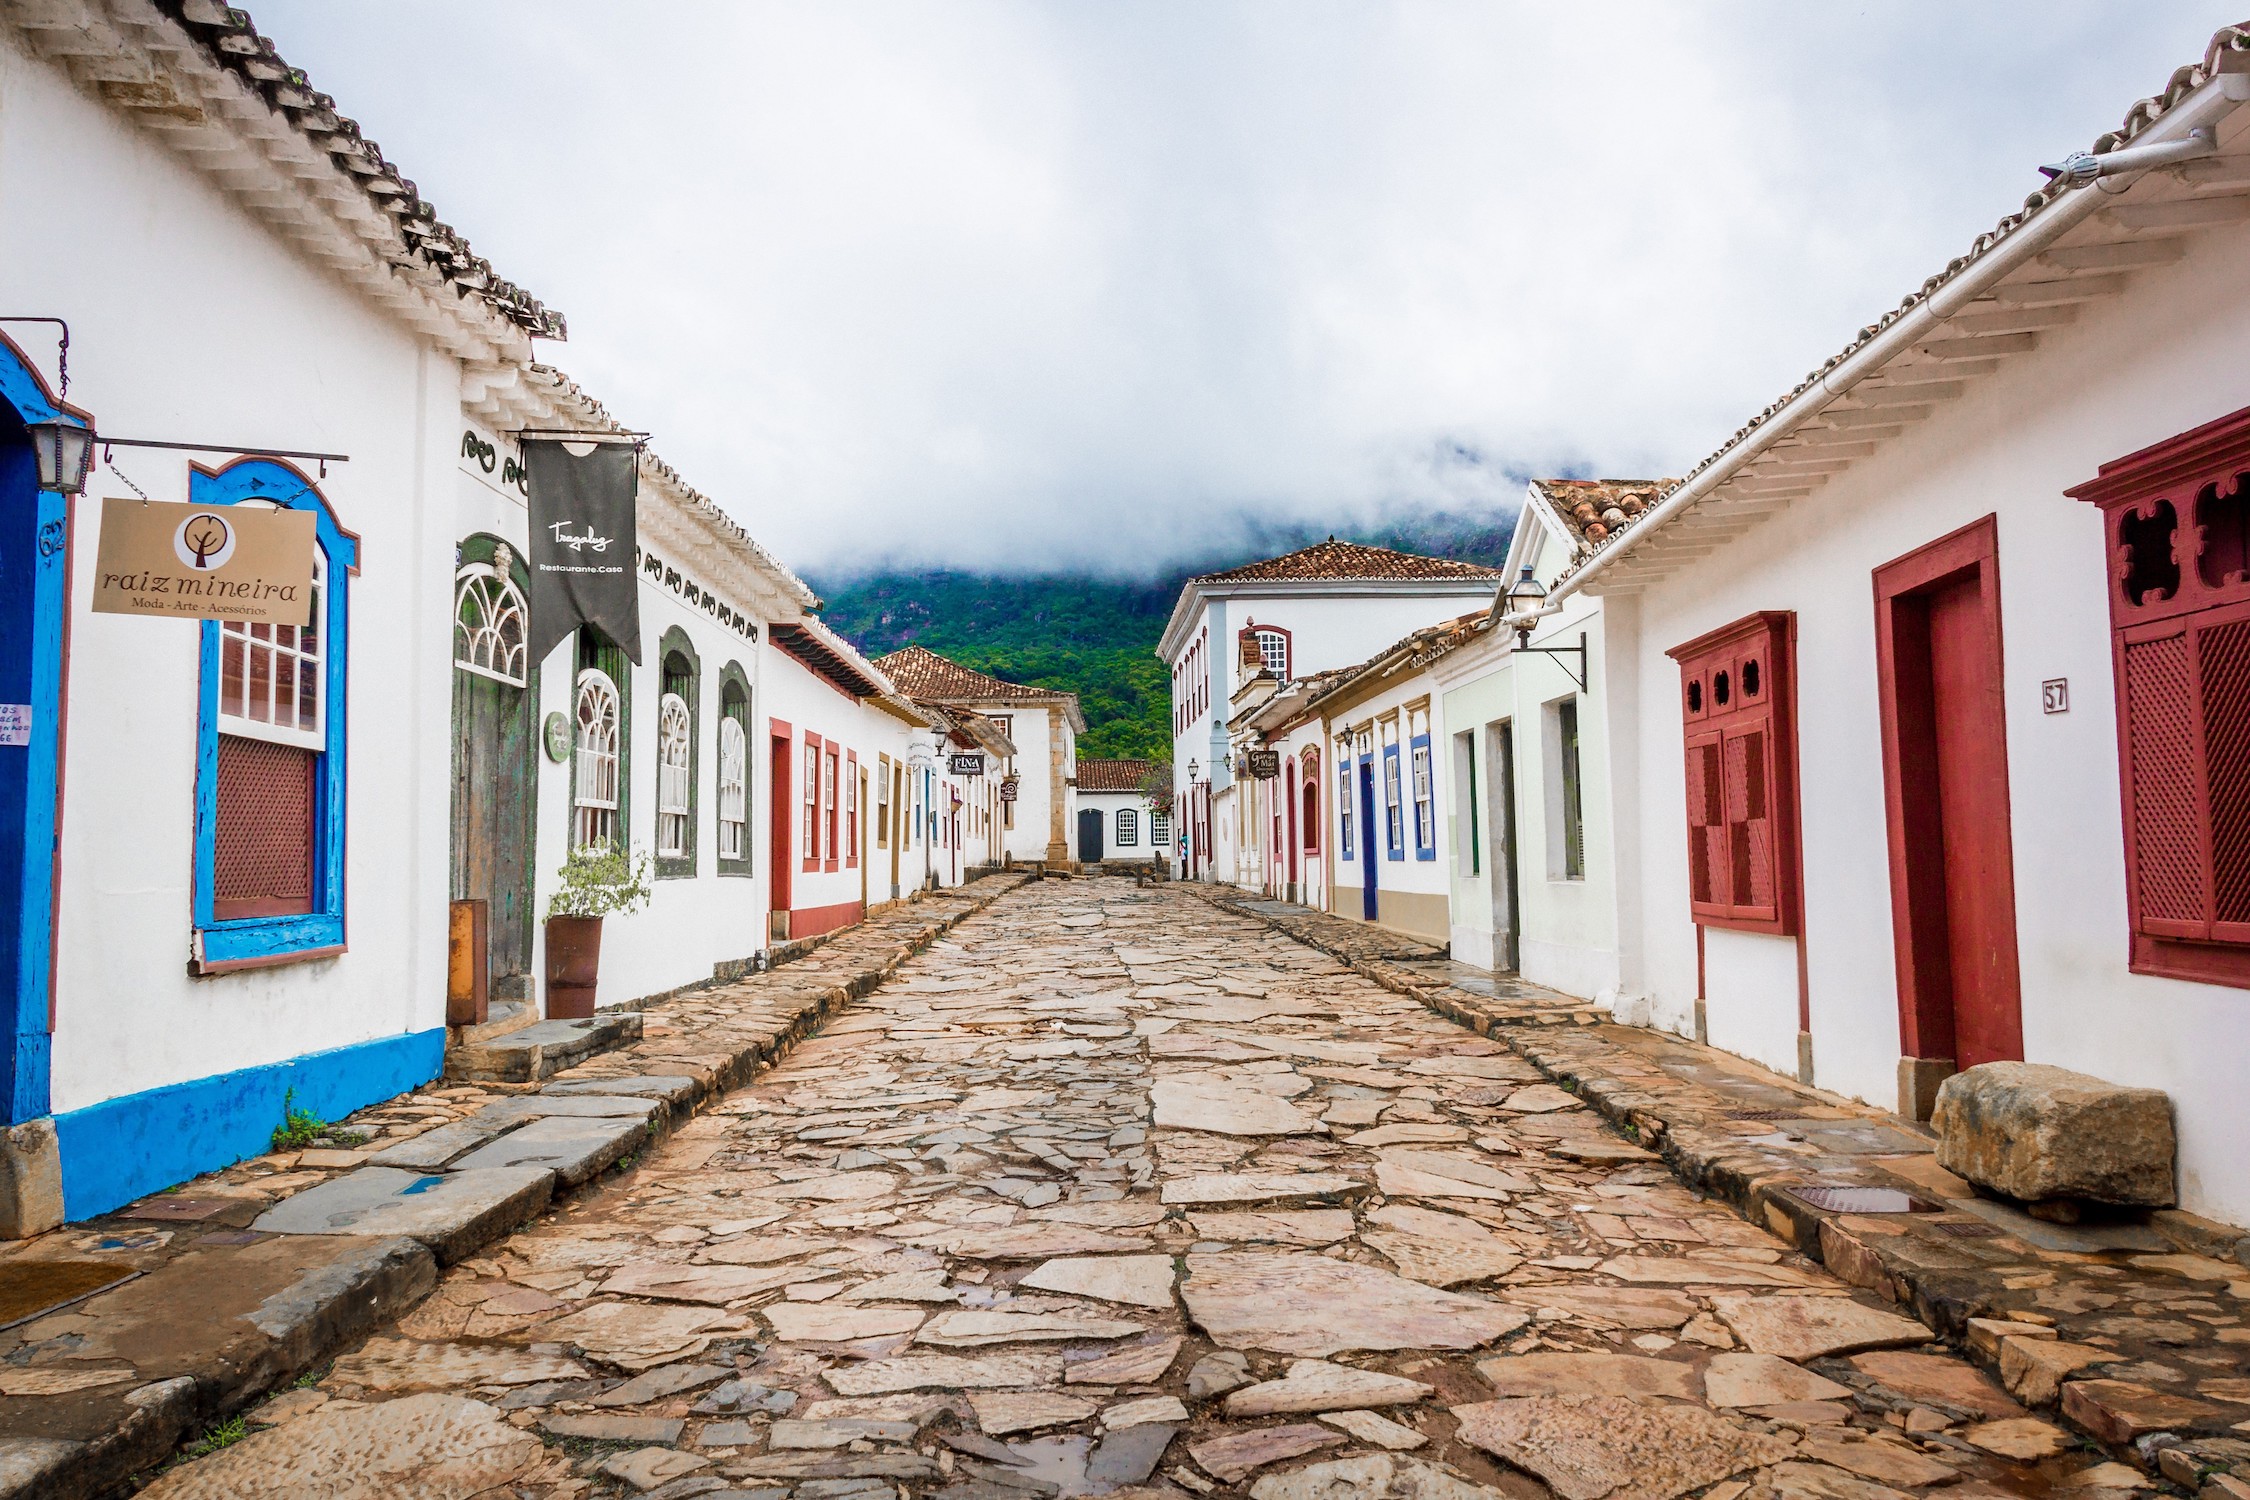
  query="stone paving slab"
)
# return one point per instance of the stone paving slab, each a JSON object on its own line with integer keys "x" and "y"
{"x": 541, "y": 1049}
{"x": 840, "y": 1279}
{"x": 453, "y": 1213}
{"x": 2164, "y": 1300}
{"x": 237, "y": 1298}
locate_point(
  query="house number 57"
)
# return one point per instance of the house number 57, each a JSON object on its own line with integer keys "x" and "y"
{"x": 2054, "y": 695}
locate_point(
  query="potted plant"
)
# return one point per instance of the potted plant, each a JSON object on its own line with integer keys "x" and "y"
{"x": 597, "y": 882}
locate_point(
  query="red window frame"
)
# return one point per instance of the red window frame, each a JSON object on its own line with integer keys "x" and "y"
{"x": 851, "y": 810}
{"x": 1739, "y": 723}
{"x": 831, "y": 765}
{"x": 812, "y": 802}
{"x": 2176, "y": 538}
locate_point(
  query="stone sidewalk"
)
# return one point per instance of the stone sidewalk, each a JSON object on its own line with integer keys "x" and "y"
{"x": 2134, "y": 1331}
{"x": 239, "y": 1282}
{"x": 1116, "y": 1192}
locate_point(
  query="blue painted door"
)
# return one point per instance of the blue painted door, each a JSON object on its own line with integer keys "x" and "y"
{"x": 1367, "y": 838}
{"x": 34, "y": 535}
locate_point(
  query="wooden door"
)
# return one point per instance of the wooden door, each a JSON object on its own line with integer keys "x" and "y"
{"x": 1090, "y": 835}
{"x": 1500, "y": 828}
{"x": 782, "y": 804}
{"x": 1946, "y": 786}
{"x": 1367, "y": 899}
{"x": 495, "y": 735}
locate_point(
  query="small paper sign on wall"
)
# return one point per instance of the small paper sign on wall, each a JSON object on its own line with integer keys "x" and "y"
{"x": 205, "y": 562}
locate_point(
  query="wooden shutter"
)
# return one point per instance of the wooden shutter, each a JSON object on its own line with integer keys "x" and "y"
{"x": 1736, "y": 701}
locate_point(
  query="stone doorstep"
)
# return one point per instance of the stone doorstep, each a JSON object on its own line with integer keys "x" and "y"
{"x": 352, "y": 1252}
{"x": 539, "y": 1051}
{"x": 1945, "y": 1291}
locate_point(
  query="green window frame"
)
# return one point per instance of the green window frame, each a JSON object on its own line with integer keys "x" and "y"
{"x": 597, "y": 652}
{"x": 734, "y": 708}
{"x": 680, "y": 670}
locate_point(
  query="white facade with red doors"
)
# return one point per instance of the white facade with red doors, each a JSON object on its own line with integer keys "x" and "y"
{"x": 1040, "y": 727}
{"x": 1312, "y": 610}
{"x": 1927, "y": 741}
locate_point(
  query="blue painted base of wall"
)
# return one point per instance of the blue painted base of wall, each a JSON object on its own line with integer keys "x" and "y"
{"x": 126, "y": 1148}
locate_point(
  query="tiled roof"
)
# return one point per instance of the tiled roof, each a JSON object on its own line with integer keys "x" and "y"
{"x": 1348, "y": 561}
{"x": 922, "y": 673}
{"x": 2224, "y": 53}
{"x": 230, "y": 40}
{"x": 1111, "y": 775}
{"x": 1594, "y": 508}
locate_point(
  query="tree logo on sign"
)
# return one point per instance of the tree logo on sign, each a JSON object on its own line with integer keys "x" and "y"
{"x": 204, "y": 541}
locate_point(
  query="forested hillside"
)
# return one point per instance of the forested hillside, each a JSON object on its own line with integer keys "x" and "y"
{"x": 1092, "y": 636}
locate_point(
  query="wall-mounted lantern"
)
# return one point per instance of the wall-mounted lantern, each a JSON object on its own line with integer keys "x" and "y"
{"x": 65, "y": 452}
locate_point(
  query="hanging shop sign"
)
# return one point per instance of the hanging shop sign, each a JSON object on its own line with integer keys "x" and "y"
{"x": 1264, "y": 765}
{"x": 582, "y": 548}
{"x": 205, "y": 562}
{"x": 1007, "y": 789}
{"x": 965, "y": 763}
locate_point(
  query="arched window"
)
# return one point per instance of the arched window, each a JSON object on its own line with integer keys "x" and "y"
{"x": 488, "y": 622}
{"x": 1128, "y": 828}
{"x": 679, "y": 717}
{"x": 593, "y": 797}
{"x": 675, "y": 741}
{"x": 1273, "y": 651}
{"x": 1308, "y": 820}
{"x": 734, "y": 771}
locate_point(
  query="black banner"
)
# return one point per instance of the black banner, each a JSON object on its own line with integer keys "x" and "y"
{"x": 966, "y": 763}
{"x": 582, "y": 540}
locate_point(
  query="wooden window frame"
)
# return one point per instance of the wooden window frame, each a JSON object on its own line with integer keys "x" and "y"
{"x": 2194, "y": 480}
{"x": 734, "y": 708}
{"x": 220, "y": 944}
{"x": 831, "y": 765}
{"x": 1422, "y": 767}
{"x": 809, "y": 857}
{"x": 851, "y": 809}
{"x": 680, "y": 674}
{"x": 1760, "y": 646}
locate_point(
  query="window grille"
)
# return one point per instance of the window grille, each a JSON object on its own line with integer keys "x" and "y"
{"x": 734, "y": 787}
{"x": 262, "y": 860}
{"x": 488, "y": 623}
{"x": 273, "y": 678}
{"x": 1128, "y": 828}
{"x": 1273, "y": 653}
{"x": 674, "y": 778}
{"x": 594, "y": 780}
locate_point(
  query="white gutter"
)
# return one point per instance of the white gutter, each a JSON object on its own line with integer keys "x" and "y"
{"x": 2200, "y": 111}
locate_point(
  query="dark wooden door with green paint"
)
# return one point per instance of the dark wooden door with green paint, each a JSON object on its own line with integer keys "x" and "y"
{"x": 495, "y": 774}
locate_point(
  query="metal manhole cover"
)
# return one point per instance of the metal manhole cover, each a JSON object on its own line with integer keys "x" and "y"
{"x": 1863, "y": 1200}
{"x": 31, "y": 1288}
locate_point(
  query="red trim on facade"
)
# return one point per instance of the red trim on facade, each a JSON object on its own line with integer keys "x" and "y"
{"x": 1939, "y": 669}
{"x": 1288, "y": 645}
{"x": 853, "y": 812}
{"x": 801, "y": 802}
{"x": 781, "y": 787}
{"x": 812, "y": 921}
{"x": 831, "y": 794}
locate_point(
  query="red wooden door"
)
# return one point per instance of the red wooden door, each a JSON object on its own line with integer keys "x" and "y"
{"x": 783, "y": 804}
{"x": 1945, "y": 761}
{"x": 1291, "y": 845}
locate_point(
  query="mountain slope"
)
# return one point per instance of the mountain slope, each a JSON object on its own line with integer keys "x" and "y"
{"x": 1092, "y": 636}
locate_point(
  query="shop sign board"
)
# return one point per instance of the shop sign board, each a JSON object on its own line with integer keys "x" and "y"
{"x": 1264, "y": 765}
{"x": 205, "y": 562}
{"x": 1007, "y": 789}
{"x": 966, "y": 763}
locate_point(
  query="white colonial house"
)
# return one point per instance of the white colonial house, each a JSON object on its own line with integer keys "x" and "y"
{"x": 1312, "y": 610}
{"x": 1929, "y": 691}
{"x": 1533, "y": 863}
{"x": 1291, "y": 814}
{"x": 1117, "y": 822}
{"x": 1022, "y": 799}
{"x": 223, "y": 848}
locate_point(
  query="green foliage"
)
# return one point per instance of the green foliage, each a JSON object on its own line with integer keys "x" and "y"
{"x": 601, "y": 882}
{"x": 219, "y": 1435}
{"x": 1095, "y": 637}
{"x": 299, "y": 1128}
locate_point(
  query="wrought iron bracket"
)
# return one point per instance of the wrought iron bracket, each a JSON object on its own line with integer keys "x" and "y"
{"x": 1523, "y": 644}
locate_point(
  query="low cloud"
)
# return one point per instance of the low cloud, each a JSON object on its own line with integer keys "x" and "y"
{"x": 1107, "y": 287}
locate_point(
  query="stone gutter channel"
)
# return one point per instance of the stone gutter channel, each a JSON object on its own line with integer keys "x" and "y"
{"x": 240, "y": 1282}
{"x": 2136, "y": 1333}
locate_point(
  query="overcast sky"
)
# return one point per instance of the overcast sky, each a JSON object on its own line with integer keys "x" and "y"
{"x": 1018, "y": 286}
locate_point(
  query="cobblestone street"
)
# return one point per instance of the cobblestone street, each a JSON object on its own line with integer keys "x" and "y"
{"x": 1115, "y": 1192}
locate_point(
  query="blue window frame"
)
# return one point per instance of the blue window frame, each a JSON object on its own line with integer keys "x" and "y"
{"x": 1394, "y": 815}
{"x": 1425, "y": 801}
{"x": 1344, "y": 803}
{"x": 223, "y": 943}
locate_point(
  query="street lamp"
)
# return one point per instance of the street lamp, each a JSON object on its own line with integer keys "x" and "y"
{"x": 1525, "y": 599}
{"x": 1194, "y": 766}
{"x": 65, "y": 452}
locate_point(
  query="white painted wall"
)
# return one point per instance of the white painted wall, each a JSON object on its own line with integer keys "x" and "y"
{"x": 2161, "y": 357}
{"x": 189, "y": 320}
{"x": 1108, "y": 804}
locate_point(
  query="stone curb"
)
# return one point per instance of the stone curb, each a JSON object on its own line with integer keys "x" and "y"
{"x": 372, "y": 1279}
{"x": 1947, "y": 1298}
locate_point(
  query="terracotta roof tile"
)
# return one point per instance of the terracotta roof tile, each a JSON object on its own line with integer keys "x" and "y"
{"x": 1111, "y": 775}
{"x": 922, "y": 673}
{"x": 1348, "y": 561}
{"x": 1595, "y": 509}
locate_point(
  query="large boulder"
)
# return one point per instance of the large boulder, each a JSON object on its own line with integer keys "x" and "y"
{"x": 2035, "y": 1133}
